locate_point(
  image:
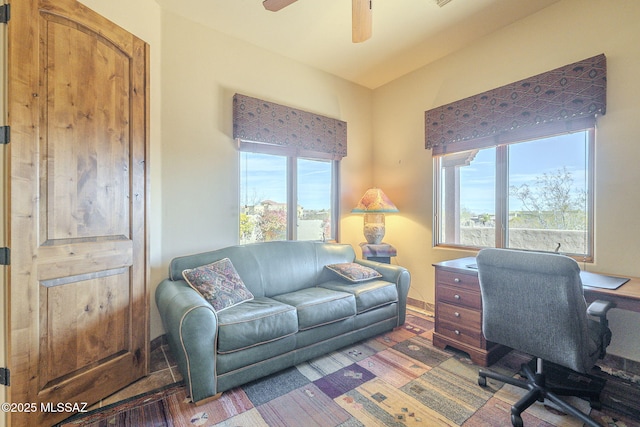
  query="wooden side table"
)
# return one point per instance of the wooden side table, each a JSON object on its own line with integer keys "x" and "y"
{"x": 381, "y": 252}
{"x": 459, "y": 312}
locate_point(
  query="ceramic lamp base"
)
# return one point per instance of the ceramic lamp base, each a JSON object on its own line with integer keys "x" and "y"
{"x": 374, "y": 228}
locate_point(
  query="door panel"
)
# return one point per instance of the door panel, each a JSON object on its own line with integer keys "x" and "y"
{"x": 78, "y": 109}
{"x": 87, "y": 139}
{"x": 88, "y": 316}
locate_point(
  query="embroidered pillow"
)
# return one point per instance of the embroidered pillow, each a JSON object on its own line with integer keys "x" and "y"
{"x": 354, "y": 272}
{"x": 219, "y": 283}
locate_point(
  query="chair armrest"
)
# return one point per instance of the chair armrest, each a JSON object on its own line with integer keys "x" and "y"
{"x": 394, "y": 274}
{"x": 600, "y": 308}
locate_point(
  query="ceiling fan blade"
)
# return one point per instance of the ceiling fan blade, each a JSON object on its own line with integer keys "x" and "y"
{"x": 361, "y": 20}
{"x": 276, "y": 5}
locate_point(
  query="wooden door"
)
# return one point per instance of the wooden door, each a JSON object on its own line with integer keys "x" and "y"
{"x": 78, "y": 111}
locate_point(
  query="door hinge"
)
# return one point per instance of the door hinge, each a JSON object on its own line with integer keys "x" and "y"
{"x": 5, "y": 376}
{"x": 5, "y": 256}
{"x": 5, "y": 13}
{"x": 5, "y": 134}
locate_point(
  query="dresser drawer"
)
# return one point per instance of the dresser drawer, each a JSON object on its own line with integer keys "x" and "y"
{"x": 458, "y": 296}
{"x": 458, "y": 321}
{"x": 458, "y": 279}
{"x": 464, "y": 317}
{"x": 461, "y": 333}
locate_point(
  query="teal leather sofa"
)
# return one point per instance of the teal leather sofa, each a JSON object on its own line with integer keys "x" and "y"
{"x": 300, "y": 310}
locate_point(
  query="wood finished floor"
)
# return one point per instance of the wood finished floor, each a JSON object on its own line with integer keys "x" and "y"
{"x": 163, "y": 371}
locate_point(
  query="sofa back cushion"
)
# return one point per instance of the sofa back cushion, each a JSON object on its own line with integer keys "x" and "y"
{"x": 273, "y": 268}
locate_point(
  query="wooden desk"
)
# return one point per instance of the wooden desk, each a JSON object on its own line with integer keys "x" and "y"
{"x": 458, "y": 320}
{"x": 626, "y": 297}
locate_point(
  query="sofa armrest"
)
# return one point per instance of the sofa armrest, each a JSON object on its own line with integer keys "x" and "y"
{"x": 394, "y": 274}
{"x": 192, "y": 328}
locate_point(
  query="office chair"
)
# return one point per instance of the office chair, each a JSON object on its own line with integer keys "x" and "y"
{"x": 533, "y": 302}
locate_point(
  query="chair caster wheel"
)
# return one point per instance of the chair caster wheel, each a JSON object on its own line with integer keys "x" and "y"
{"x": 516, "y": 421}
{"x": 482, "y": 381}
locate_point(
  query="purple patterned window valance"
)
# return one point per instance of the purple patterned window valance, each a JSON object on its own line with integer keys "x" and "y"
{"x": 263, "y": 122}
{"x": 561, "y": 100}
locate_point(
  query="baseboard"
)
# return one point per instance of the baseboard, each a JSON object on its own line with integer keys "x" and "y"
{"x": 422, "y": 306}
{"x": 158, "y": 342}
{"x": 621, "y": 367}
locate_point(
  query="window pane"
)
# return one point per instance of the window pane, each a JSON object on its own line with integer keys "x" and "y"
{"x": 548, "y": 188}
{"x": 314, "y": 200}
{"x": 263, "y": 197}
{"x": 467, "y": 198}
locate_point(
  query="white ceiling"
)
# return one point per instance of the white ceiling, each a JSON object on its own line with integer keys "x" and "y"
{"x": 407, "y": 34}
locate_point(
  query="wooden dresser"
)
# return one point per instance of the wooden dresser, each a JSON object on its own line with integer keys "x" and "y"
{"x": 459, "y": 312}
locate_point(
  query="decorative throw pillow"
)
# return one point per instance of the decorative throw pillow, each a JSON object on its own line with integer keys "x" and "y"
{"x": 219, "y": 283}
{"x": 354, "y": 272}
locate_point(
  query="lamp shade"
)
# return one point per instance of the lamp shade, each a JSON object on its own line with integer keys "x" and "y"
{"x": 374, "y": 200}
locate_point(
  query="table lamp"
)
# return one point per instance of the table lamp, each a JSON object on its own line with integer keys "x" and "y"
{"x": 374, "y": 204}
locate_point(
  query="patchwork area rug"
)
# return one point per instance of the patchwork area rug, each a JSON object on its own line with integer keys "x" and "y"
{"x": 397, "y": 379}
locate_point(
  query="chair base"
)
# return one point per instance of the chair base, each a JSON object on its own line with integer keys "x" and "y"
{"x": 555, "y": 381}
{"x": 566, "y": 382}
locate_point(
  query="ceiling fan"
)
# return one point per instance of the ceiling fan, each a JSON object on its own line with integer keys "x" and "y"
{"x": 361, "y": 16}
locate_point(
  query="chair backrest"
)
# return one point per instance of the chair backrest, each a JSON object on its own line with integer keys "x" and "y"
{"x": 534, "y": 302}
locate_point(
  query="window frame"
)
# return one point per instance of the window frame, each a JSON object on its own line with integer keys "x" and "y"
{"x": 292, "y": 154}
{"x": 502, "y": 195}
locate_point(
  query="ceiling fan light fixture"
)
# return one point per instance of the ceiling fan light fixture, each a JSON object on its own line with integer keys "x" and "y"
{"x": 276, "y": 5}
{"x": 361, "y": 17}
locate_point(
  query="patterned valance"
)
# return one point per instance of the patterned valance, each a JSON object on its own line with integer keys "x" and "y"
{"x": 258, "y": 121}
{"x": 563, "y": 99}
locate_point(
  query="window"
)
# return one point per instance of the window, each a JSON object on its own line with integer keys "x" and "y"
{"x": 283, "y": 197}
{"x": 289, "y": 171}
{"x": 314, "y": 200}
{"x": 534, "y": 195}
{"x": 534, "y": 189}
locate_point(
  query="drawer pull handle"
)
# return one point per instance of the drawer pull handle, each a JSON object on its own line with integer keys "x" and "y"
{"x": 457, "y": 332}
{"x": 456, "y": 314}
{"x": 457, "y": 280}
{"x": 456, "y": 296}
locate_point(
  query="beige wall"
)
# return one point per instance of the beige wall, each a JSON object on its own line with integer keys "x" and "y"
{"x": 201, "y": 71}
{"x": 566, "y": 32}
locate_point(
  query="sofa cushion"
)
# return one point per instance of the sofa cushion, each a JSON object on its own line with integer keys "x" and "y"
{"x": 219, "y": 283}
{"x": 319, "y": 306}
{"x": 369, "y": 295}
{"x": 353, "y": 272}
{"x": 255, "y": 322}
